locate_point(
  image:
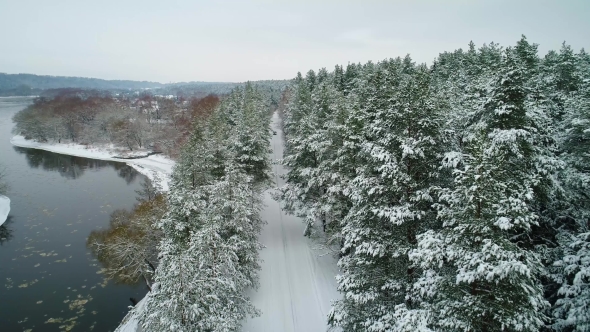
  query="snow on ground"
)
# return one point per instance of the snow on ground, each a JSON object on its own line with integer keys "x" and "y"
{"x": 131, "y": 322}
{"x": 4, "y": 208}
{"x": 156, "y": 167}
{"x": 297, "y": 282}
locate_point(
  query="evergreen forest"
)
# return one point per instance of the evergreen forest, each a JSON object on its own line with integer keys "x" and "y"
{"x": 456, "y": 194}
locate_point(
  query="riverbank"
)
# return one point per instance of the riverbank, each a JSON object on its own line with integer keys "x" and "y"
{"x": 4, "y": 208}
{"x": 157, "y": 168}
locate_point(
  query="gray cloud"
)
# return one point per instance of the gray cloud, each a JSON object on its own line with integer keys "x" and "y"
{"x": 249, "y": 40}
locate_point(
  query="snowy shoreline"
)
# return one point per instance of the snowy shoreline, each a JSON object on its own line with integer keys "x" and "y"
{"x": 156, "y": 167}
{"x": 4, "y": 208}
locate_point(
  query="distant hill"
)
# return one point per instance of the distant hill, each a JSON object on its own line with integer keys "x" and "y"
{"x": 37, "y": 85}
{"x": 29, "y": 84}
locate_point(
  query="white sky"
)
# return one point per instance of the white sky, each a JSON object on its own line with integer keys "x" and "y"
{"x": 183, "y": 40}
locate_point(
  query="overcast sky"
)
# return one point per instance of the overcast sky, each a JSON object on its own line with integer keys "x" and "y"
{"x": 190, "y": 40}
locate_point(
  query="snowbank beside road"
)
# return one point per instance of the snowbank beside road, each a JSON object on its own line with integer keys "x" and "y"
{"x": 155, "y": 167}
{"x": 4, "y": 208}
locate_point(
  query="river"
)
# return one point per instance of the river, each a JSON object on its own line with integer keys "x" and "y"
{"x": 49, "y": 280}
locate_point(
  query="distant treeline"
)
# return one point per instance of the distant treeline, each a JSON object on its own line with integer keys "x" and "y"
{"x": 91, "y": 118}
{"x": 129, "y": 121}
{"x": 22, "y": 82}
{"x": 50, "y": 86}
{"x": 200, "y": 89}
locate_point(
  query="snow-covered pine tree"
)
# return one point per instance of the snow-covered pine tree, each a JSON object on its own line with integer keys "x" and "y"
{"x": 237, "y": 202}
{"x": 168, "y": 306}
{"x": 321, "y": 157}
{"x": 201, "y": 287}
{"x": 351, "y": 74}
{"x": 476, "y": 276}
{"x": 301, "y": 156}
{"x": 209, "y": 254}
{"x": 572, "y": 267}
{"x": 336, "y": 160}
{"x": 298, "y": 106}
{"x": 508, "y": 195}
{"x": 316, "y": 191}
{"x": 391, "y": 197}
{"x": 250, "y": 144}
{"x": 560, "y": 80}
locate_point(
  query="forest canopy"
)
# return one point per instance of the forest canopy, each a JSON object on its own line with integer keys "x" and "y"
{"x": 457, "y": 193}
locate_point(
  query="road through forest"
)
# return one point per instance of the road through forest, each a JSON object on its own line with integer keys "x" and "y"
{"x": 296, "y": 281}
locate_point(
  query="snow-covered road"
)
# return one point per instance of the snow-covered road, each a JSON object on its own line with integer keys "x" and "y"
{"x": 296, "y": 282}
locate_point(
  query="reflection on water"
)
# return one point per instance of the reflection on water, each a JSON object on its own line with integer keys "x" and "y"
{"x": 49, "y": 280}
{"x": 127, "y": 249}
{"x": 72, "y": 167}
{"x": 6, "y": 231}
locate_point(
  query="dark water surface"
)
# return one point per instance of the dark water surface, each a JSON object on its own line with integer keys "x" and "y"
{"x": 49, "y": 281}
